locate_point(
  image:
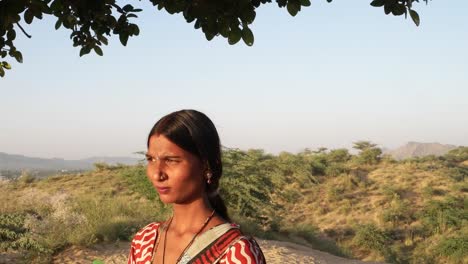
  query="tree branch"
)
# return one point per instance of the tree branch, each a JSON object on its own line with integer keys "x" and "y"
{"x": 22, "y": 29}
{"x": 119, "y": 9}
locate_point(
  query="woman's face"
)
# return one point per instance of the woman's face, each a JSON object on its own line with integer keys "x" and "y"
{"x": 177, "y": 175}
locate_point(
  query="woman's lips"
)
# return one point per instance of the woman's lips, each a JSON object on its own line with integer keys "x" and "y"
{"x": 163, "y": 190}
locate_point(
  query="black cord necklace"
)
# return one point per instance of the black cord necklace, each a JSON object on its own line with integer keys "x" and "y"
{"x": 189, "y": 244}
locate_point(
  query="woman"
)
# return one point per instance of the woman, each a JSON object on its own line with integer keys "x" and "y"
{"x": 184, "y": 165}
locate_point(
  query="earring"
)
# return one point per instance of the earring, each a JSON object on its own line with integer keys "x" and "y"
{"x": 208, "y": 175}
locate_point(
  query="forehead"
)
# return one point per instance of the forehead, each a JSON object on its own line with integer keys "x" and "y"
{"x": 159, "y": 144}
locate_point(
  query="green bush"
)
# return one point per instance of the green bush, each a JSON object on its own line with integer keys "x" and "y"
{"x": 370, "y": 237}
{"x": 109, "y": 220}
{"x": 310, "y": 234}
{"x": 453, "y": 248}
{"x": 335, "y": 169}
{"x": 457, "y": 155}
{"x": 26, "y": 178}
{"x": 136, "y": 178}
{"x": 14, "y": 235}
{"x": 102, "y": 166}
{"x": 458, "y": 174}
{"x": 398, "y": 212}
{"x": 335, "y": 193}
{"x": 392, "y": 192}
{"x": 439, "y": 216}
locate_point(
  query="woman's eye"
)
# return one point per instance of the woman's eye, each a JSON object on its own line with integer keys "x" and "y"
{"x": 172, "y": 161}
{"x": 150, "y": 159}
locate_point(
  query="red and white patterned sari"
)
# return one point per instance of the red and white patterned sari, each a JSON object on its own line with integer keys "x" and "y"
{"x": 223, "y": 244}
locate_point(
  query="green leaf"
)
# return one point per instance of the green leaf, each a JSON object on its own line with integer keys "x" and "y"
{"x": 98, "y": 50}
{"x": 71, "y": 19}
{"x": 18, "y": 56}
{"x": 248, "y": 16}
{"x": 414, "y": 15}
{"x": 123, "y": 38}
{"x": 247, "y": 36}
{"x": 197, "y": 24}
{"x": 102, "y": 39}
{"x": 305, "y": 2}
{"x": 58, "y": 24}
{"x": 377, "y": 3}
{"x": 2, "y": 72}
{"x": 6, "y": 65}
{"x": 223, "y": 29}
{"x": 128, "y": 8}
{"x": 11, "y": 35}
{"x": 84, "y": 50}
{"x": 387, "y": 9}
{"x": 97, "y": 261}
{"x": 398, "y": 10}
{"x": 135, "y": 30}
{"x": 293, "y": 7}
{"x": 209, "y": 35}
{"x": 160, "y": 5}
{"x": 234, "y": 35}
{"x": 132, "y": 15}
{"x": 28, "y": 16}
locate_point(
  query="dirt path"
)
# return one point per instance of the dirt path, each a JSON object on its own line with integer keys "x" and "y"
{"x": 276, "y": 252}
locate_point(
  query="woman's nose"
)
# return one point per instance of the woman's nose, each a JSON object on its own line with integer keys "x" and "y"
{"x": 156, "y": 170}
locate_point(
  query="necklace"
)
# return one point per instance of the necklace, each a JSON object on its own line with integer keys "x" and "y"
{"x": 189, "y": 244}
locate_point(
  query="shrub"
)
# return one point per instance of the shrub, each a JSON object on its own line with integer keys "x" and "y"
{"x": 370, "y": 237}
{"x": 438, "y": 216}
{"x": 26, "y": 178}
{"x": 310, "y": 234}
{"x": 453, "y": 248}
{"x": 335, "y": 169}
{"x": 112, "y": 219}
{"x": 399, "y": 211}
{"x": 457, "y": 155}
{"x": 428, "y": 192}
{"x": 137, "y": 181}
{"x": 458, "y": 174}
{"x": 15, "y": 236}
{"x": 335, "y": 193}
{"x": 392, "y": 192}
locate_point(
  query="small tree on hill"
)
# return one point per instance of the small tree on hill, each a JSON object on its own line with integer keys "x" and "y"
{"x": 369, "y": 153}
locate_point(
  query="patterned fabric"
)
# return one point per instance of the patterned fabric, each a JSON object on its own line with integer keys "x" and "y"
{"x": 223, "y": 244}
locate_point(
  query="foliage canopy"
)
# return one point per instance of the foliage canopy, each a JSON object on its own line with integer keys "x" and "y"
{"x": 91, "y": 22}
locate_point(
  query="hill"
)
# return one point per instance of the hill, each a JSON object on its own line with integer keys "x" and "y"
{"x": 417, "y": 149}
{"x": 354, "y": 206}
{"x": 20, "y": 162}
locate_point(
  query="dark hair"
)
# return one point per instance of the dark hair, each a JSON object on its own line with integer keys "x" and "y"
{"x": 194, "y": 132}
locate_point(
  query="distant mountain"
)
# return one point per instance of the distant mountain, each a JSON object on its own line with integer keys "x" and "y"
{"x": 20, "y": 162}
{"x": 417, "y": 149}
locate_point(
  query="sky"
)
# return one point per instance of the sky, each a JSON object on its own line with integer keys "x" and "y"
{"x": 336, "y": 73}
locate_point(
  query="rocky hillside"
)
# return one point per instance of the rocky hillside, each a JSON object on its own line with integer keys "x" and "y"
{"x": 417, "y": 149}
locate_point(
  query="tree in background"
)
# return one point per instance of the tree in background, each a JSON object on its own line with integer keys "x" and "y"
{"x": 369, "y": 153}
{"x": 91, "y": 22}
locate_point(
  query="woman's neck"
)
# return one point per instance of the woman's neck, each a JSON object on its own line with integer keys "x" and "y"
{"x": 188, "y": 218}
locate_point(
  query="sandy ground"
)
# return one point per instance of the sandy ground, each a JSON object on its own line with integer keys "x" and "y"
{"x": 276, "y": 252}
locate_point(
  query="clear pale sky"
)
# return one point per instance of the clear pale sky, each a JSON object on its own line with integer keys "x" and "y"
{"x": 334, "y": 74}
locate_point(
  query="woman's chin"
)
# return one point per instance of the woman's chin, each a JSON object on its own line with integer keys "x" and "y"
{"x": 166, "y": 200}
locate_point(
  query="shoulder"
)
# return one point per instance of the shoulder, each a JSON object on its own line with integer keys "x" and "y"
{"x": 142, "y": 244}
{"x": 146, "y": 235}
{"x": 244, "y": 250}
